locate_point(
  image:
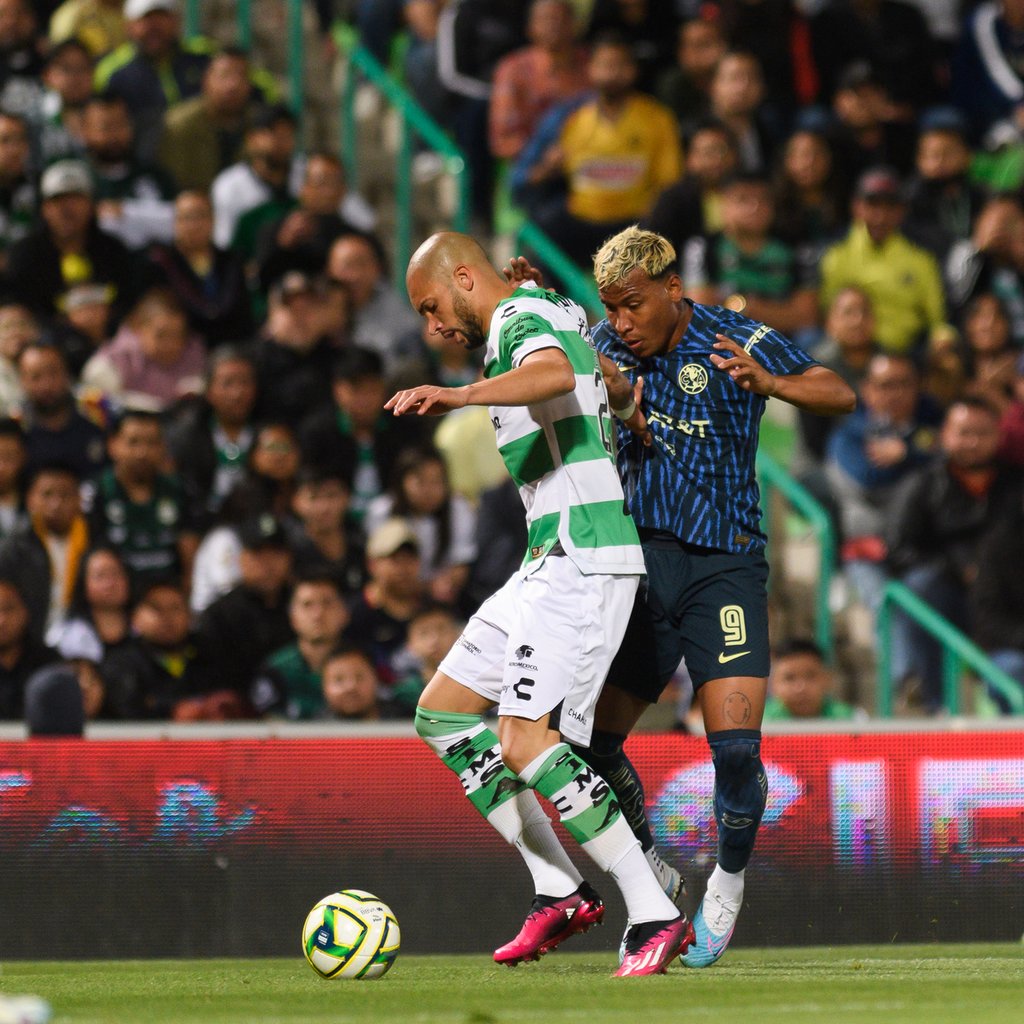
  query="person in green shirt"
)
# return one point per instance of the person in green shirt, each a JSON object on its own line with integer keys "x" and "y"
{"x": 800, "y": 685}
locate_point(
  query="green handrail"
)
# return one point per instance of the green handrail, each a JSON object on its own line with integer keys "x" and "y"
{"x": 296, "y": 42}
{"x": 414, "y": 121}
{"x": 578, "y": 284}
{"x": 775, "y": 479}
{"x": 957, "y": 650}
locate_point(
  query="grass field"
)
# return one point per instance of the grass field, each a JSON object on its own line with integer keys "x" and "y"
{"x": 848, "y": 985}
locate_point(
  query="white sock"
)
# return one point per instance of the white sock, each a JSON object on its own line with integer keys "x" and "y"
{"x": 523, "y": 823}
{"x": 642, "y": 892}
{"x": 730, "y": 886}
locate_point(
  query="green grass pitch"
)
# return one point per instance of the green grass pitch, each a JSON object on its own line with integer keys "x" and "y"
{"x": 958, "y": 984}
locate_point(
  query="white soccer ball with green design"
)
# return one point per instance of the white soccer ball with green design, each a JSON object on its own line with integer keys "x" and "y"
{"x": 351, "y": 934}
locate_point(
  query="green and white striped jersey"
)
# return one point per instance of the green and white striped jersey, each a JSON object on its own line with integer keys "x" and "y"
{"x": 560, "y": 453}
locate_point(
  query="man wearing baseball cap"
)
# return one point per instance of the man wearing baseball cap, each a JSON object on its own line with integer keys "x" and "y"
{"x": 69, "y": 247}
{"x": 901, "y": 279}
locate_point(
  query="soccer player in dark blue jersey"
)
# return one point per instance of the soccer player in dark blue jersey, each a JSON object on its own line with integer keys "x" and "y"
{"x": 689, "y": 383}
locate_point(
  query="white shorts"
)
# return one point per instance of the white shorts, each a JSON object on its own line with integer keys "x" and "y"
{"x": 544, "y": 640}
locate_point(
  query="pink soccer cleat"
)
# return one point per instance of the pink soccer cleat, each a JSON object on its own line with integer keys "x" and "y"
{"x": 550, "y": 922}
{"x": 653, "y": 945}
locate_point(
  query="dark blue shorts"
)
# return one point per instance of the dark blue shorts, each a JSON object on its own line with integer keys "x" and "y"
{"x": 708, "y": 606}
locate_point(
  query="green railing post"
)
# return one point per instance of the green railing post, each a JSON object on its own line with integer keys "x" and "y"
{"x": 296, "y": 57}
{"x": 403, "y": 197}
{"x": 774, "y": 476}
{"x": 243, "y": 14}
{"x": 191, "y": 23}
{"x": 958, "y": 650}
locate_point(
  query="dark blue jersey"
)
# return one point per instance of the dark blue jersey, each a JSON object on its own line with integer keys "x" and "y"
{"x": 697, "y": 480}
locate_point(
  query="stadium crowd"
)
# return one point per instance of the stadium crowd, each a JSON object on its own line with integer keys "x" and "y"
{"x": 205, "y": 512}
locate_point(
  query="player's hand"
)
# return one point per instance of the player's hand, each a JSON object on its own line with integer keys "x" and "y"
{"x": 427, "y": 400}
{"x": 742, "y": 367}
{"x": 518, "y": 270}
{"x": 621, "y": 393}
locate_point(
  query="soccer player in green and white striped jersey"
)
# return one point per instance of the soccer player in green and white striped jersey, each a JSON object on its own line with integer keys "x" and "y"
{"x": 541, "y": 646}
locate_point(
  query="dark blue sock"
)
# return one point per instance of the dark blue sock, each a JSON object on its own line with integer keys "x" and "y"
{"x": 606, "y": 756}
{"x": 741, "y": 791}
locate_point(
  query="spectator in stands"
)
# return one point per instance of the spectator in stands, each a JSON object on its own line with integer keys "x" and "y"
{"x": 432, "y": 633}
{"x": 139, "y": 509}
{"x": 20, "y": 653}
{"x": 83, "y": 324}
{"x": 54, "y": 702}
{"x": 382, "y": 320}
{"x": 647, "y": 26}
{"x": 685, "y": 88}
{"x": 693, "y": 205}
{"x": 67, "y": 77}
{"x": 616, "y": 152}
{"x": 811, "y": 196}
{"x": 356, "y": 431}
{"x": 17, "y": 191}
{"x": 992, "y": 260}
{"x": 69, "y": 247}
{"x": 269, "y": 171}
{"x": 865, "y": 133}
{"x": 997, "y": 596}
{"x": 19, "y": 328}
{"x": 800, "y": 686}
{"x": 737, "y": 100}
{"x": 99, "y": 620}
{"x": 444, "y": 523}
{"x": 744, "y": 268}
{"x": 393, "y": 596}
{"x": 322, "y": 536}
{"x": 987, "y": 84}
{"x": 98, "y": 24}
{"x": 846, "y": 348}
{"x": 352, "y": 689}
{"x": 22, "y": 48}
{"x": 55, "y": 430}
{"x": 251, "y": 621}
{"x": 871, "y": 451}
{"x": 529, "y": 81}
{"x": 13, "y": 457}
{"x": 153, "y": 69}
{"x": 133, "y": 199}
{"x": 203, "y": 136}
{"x": 942, "y": 201}
{"x": 267, "y": 488}
{"x": 289, "y": 682}
{"x": 297, "y": 234}
{"x": 294, "y": 358}
{"x": 45, "y": 557}
{"x": 163, "y": 667}
{"x": 211, "y": 438}
{"x": 901, "y": 279}
{"x": 936, "y": 522}
{"x": 208, "y": 281}
{"x": 1011, "y": 425}
{"x": 153, "y": 361}
{"x": 422, "y": 77}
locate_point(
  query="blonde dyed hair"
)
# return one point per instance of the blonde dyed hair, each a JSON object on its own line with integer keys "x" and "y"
{"x": 630, "y": 249}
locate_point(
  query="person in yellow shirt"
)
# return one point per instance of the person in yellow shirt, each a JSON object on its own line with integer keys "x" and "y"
{"x": 901, "y": 279}
{"x": 616, "y": 152}
{"x": 99, "y": 24}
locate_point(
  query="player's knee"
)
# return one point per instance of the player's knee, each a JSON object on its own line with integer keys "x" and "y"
{"x": 606, "y": 745}
{"x": 741, "y": 784}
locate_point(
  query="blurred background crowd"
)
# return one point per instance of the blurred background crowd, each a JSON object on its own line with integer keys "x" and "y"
{"x": 205, "y": 513}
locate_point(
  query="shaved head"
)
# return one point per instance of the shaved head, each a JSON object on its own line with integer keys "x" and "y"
{"x": 453, "y": 284}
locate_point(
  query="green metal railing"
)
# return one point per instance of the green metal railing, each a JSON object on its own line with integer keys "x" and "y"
{"x": 578, "y": 284}
{"x": 296, "y": 43}
{"x": 774, "y": 479}
{"x": 414, "y": 122}
{"x": 957, "y": 651}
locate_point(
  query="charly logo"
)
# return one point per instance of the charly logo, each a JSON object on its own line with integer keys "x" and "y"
{"x": 693, "y": 378}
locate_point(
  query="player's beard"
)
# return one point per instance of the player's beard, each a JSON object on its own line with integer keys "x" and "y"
{"x": 470, "y": 325}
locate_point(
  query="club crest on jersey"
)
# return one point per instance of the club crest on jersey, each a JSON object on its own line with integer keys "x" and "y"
{"x": 693, "y": 378}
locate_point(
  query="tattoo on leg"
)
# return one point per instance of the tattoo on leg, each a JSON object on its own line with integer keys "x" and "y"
{"x": 737, "y": 708}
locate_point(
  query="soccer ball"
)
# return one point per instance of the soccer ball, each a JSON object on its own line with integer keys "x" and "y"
{"x": 351, "y": 934}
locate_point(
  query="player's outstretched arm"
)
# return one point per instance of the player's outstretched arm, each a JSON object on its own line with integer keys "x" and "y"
{"x": 625, "y": 398}
{"x": 543, "y": 375}
{"x": 816, "y": 390}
